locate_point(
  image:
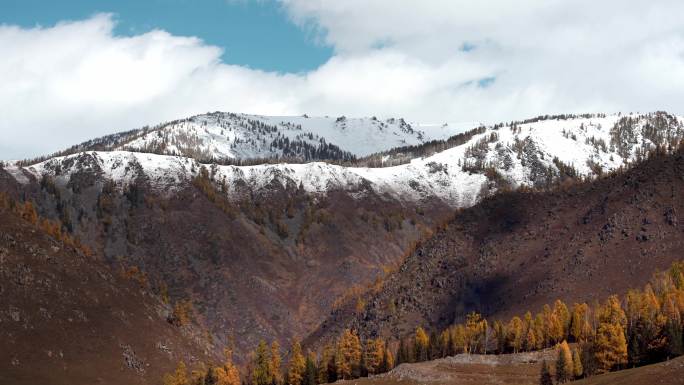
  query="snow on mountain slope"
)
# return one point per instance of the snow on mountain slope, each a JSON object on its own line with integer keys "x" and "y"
{"x": 533, "y": 153}
{"x": 228, "y": 137}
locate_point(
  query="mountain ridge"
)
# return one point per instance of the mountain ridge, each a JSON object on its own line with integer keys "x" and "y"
{"x": 228, "y": 138}
{"x": 534, "y": 152}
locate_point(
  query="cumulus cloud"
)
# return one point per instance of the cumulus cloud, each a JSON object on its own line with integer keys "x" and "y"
{"x": 439, "y": 60}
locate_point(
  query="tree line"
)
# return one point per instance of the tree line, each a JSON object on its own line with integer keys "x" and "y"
{"x": 346, "y": 358}
{"x": 642, "y": 327}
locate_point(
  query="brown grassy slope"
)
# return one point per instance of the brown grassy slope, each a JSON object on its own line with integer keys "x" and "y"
{"x": 664, "y": 373}
{"x": 517, "y": 251}
{"x": 68, "y": 319}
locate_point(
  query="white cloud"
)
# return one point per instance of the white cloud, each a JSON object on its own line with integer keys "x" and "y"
{"x": 77, "y": 80}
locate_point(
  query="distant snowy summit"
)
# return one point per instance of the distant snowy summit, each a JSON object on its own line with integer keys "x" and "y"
{"x": 458, "y": 169}
{"x": 249, "y": 139}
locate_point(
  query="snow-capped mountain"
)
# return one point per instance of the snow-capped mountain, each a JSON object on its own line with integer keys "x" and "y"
{"x": 535, "y": 152}
{"x": 240, "y": 138}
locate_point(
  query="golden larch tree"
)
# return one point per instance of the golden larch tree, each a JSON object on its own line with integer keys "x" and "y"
{"x": 515, "y": 334}
{"x": 348, "y": 356}
{"x": 228, "y": 374}
{"x": 261, "y": 374}
{"x": 295, "y": 373}
{"x": 275, "y": 362}
{"x": 421, "y": 343}
{"x": 564, "y": 365}
{"x": 179, "y": 376}
{"x": 610, "y": 346}
{"x": 373, "y": 355}
{"x": 577, "y": 369}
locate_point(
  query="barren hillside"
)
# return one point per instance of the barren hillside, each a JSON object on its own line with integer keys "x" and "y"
{"x": 60, "y": 309}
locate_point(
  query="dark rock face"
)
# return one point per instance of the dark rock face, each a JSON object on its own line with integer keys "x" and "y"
{"x": 518, "y": 251}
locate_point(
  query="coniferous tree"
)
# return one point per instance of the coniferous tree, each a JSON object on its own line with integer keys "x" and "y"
{"x": 634, "y": 349}
{"x": 450, "y": 349}
{"x": 402, "y": 353}
{"x": 362, "y": 370}
{"x": 421, "y": 343}
{"x": 564, "y": 364}
{"x": 539, "y": 331}
{"x": 673, "y": 328}
{"x": 179, "y": 376}
{"x": 275, "y": 362}
{"x": 340, "y": 365}
{"x": 387, "y": 360}
{"x": 485, "y": 333}
{"x": 580, "y": 328}
{"x": 444, "y": 341}
{"x": 515, "y": 336}
{"x": 261, "y": 374}
{"x": 295, "y": 372}
{"x": 474, "y": 332}
{"x": 530, "y": 340}
{"x": 373, "y": 355}
{"x": 577, "y": 369}
{"x": 227, "y": 374}
{"x": 310, "y": 370}
{"x": 611, "y": 345}
{"x": 348, "y": 355}
{"x": 560, "y": 310}
{"x": 673, "y": 334}
{"x": 545, "y": 376}
{"x": 528, "y": 325}
{"x": 433, "y": 346}
{"x": 326, "y": 366}
{"x": 459, "y": 344}
{"x": 501, "y": 335}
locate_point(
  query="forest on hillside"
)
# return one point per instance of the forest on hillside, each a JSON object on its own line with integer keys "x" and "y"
{"x": 642, "y": 327}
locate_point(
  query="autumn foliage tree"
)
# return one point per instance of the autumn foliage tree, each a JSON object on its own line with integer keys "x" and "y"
{"x": 227, "y": 374}
{"x": 310, "y": 370}
{"x": 274, "y": 364}
{"x": 348, "y": 355}
{"x": 420, "y": 345}
{"x": 564, "y": 365}
{"x": 178, "y": 377}
{"x": 374, "y": 353}
{"x": 182, "y": 313}
{"x": 297, "y": 367}
{"x": 577, "y": 368}
{"x": 610, "y": 343}
{"x": 261, "y": 372}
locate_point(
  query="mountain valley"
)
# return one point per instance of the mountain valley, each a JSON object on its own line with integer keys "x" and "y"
{"x": 379, "y": 226}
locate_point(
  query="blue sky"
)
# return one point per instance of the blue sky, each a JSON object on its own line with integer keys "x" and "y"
{"x": 256, "y": 34}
